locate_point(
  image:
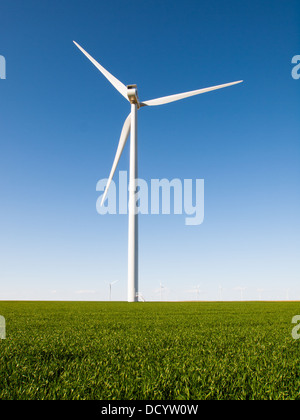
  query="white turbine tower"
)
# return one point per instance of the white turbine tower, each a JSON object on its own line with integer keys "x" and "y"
{"x": 130, "y": 125}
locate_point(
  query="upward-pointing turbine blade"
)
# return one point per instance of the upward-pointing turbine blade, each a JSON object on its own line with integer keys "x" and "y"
{"x": 115, "y": 82}
{"x": 122, "y": 142}
{"x": 177, "y": 97}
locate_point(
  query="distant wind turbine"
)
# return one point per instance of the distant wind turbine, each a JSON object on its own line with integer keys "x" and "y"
{"x": 161, "y": 288}
{"x": 140, "y": 297}
{"x": 110, "y": 284}
{"x": 130, "y": 125}
{"x": 220, "y": 292}
{"x": 197, "y": 291}
{"x": 260, "y": 293}
{"x": 241, "y": 289}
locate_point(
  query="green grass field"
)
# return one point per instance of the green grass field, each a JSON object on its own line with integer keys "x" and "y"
{"x": 116, "y": 350}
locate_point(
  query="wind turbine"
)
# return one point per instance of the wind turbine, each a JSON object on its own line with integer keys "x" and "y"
{"x": 220, "y": 292}
{"x": 161, "y": 288}
{"x": 260, "y": 293}
{"x": 110, "y": 284}
{"x": 197, "y": 291}
{"x": 241, "y": 289}
{"x": 130, "y": 125}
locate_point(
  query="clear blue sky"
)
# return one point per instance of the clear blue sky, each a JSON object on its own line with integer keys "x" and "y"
{"x": 60, "y": 124}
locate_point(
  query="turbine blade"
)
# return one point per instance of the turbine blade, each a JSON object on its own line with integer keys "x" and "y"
{"x": 177, "y": 97}
{"x": 123, "y": 138}
{"x": 115, "y": 82}
{"x": 114, "y": 282}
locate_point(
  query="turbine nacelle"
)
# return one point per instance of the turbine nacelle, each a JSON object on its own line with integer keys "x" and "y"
{"x": 132, "y": 94}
